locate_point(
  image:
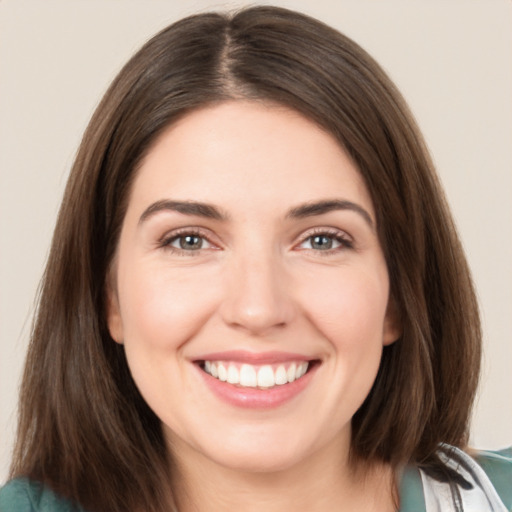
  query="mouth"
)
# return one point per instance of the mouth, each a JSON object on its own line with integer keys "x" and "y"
{"x": 256, "y": 380}
{"x": 257, "y": 376}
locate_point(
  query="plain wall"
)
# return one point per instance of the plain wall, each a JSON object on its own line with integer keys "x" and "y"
{"x": 452, "y": 59}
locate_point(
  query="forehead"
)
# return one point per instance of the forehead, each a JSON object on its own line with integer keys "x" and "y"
{"x": 251, "y": 151}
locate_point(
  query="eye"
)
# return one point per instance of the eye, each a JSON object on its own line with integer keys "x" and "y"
{"x": 326, "y": 242}
{"x": 186, "y": 242}
{"x": 321, "y": 242}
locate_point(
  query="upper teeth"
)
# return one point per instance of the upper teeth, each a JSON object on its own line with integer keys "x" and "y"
{"x": 247, "y": 375}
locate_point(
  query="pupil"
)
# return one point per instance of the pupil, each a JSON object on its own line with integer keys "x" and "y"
{"x": 190, "y": 242}
{"x": 322, "y": 242}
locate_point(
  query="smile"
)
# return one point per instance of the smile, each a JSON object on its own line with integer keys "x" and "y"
{"x": 256, "y": 376}
{"x": 263, "y": 380}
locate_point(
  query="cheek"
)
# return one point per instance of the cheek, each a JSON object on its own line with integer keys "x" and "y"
{"x": 163, "y": 309}
{"x": 350, "y": 315}
{"x": 349, "y": 307}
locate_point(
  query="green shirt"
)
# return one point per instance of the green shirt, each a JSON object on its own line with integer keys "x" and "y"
{"x": 22, "y": 495}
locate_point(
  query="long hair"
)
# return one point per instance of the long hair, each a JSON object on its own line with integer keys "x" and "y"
{"x": 84, "y": 429}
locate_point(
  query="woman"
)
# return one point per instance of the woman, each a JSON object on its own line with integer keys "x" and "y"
{"x": 255, "y": 295}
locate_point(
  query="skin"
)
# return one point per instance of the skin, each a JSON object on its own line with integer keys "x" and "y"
{"x": 257, "y": 283}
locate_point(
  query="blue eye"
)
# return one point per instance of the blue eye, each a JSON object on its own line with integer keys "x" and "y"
{"x": 325, "y": 242}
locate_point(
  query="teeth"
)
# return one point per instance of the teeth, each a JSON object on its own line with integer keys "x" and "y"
{"x": 266, "y": 377}
{"x": 255, "y": 377}
{"x": 291, "y": 373}
{"x": 233, "y": 375}
{"x": 281, "y": 377}
{"x": 248, "y": 376}
{"x": 223, "y": 373}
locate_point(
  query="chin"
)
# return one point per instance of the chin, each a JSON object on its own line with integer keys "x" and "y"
{"x": 261, "y": 452}
{"x": 260, "y": 460}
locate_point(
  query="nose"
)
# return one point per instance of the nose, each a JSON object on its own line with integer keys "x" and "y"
{"x": 258, "y": 296}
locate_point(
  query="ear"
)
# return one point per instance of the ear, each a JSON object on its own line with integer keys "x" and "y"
{"x": 392, "y": 324}
{"x": 114, "y": 320}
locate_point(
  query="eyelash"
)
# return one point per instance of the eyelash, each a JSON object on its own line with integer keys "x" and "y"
{"x": 338, "y": 236}
{"x": 167, "y": 240}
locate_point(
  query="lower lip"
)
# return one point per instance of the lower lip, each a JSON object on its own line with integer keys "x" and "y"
{"x": 253, "y": 398}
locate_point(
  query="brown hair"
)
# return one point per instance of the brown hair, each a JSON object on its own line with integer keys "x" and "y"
{"x": 83, "y": 427}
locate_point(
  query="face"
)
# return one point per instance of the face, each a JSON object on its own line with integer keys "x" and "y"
{"x": 250, "y": 290}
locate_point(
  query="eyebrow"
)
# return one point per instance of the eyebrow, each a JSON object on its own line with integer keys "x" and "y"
{"x": 321, "y": 207}
{"x": 209, "y": 211}
{"x": 186, "y": 208}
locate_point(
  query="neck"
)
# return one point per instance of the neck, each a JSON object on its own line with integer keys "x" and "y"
{"x": 322, "y": 483}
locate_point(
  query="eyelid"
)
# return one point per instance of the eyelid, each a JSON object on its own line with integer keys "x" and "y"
{"x": 347, "y": 242}
{"x": 164, "y": 242}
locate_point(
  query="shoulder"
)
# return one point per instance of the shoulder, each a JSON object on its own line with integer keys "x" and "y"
{"x": 411, "y": 493}
{"x": 498, "y": 467}
{"x": 23, "y": 495}
{"x": 488, "y": 473}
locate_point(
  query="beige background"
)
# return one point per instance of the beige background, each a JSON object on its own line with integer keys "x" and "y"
{"x": 452, "y": 59}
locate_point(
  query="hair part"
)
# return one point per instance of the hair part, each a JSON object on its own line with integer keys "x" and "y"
{"x": 83, "y": 425}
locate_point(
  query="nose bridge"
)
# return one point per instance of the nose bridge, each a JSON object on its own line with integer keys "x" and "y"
{"x": 257, "y": 297}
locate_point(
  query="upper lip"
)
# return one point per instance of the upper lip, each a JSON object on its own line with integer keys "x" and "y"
{"x": 255, "y": 358}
